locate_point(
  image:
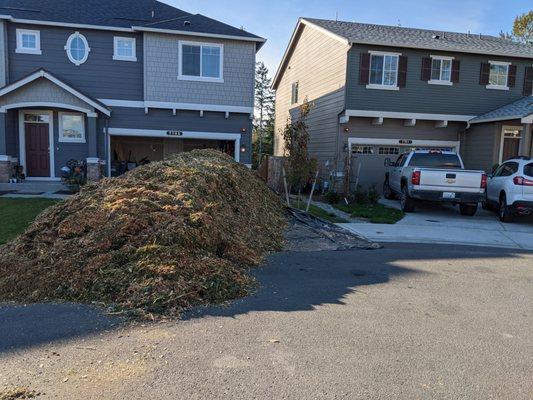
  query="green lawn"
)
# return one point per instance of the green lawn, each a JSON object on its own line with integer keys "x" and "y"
{"x": 375, "y": 213}
{"x": 17, "y": 214}
{"x": 318, "y": 212}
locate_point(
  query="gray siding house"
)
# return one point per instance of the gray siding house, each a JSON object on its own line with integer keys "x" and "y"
{"x": 377, "y": 91}
{"x": 113, "y": 82}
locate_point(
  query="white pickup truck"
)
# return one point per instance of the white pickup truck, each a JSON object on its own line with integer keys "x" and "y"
{"x": 437, "y": 176}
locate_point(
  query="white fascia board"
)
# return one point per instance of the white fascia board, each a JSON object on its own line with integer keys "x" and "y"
{"x": 46, "y": 75}
{"x": 406, "y": 115}
{"x": 482, "y": 121}
{"x": 64, "y": 24}
{"x": 527, "y": 119}
{"x": 163, "y": 133}
{"x": 47, "y": 104}
{"x": 301, "y": 21}
{"x": 198, "y": 107}
{"x": 199, "y": 34}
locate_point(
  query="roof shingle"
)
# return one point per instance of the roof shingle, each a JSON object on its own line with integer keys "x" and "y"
{"x": 516, "y": 110}
{"x": 424, "y": 39}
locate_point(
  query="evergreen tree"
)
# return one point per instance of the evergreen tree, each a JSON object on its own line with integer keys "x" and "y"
{"x": 263, "y": 136}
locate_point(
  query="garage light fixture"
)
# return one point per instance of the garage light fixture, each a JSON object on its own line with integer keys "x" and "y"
{"x": 243, "y": 149}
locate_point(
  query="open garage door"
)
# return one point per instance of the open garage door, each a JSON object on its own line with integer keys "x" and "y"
{"x": 367, "y": 157}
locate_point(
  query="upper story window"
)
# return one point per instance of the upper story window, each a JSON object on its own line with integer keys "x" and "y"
{"x": 441, "y": 70}
{"x": 124, "y": 49}
{"x": 383, "y": 71}
{"x": 499, "y": 72}
{"x": 77, "y": 48}
{"x": 201, "y": 62}
{"x": 294, "y": 92}
{"x": 71, "y": 128}
{"x": 28, "y": 42}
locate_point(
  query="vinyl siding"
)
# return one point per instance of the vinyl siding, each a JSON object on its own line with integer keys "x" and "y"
{"x": 161, "y": 72}
{"x": 99, "y": 77}
{"x": 467, "y": 97}
{"x": 481, "y": 145}
{"x": 3, "y": 54}
{"x": 318, "y": 63}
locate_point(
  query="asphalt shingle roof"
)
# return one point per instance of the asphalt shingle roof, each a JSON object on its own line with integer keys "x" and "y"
{"x": 118, "y": 13}
{"x": 424, "y": 39}
{"x": 518, "y": 109}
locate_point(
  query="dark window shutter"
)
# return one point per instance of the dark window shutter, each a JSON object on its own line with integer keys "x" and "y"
{"x": 484, "y": 74}
{"x": 456, "y": 66}
{"x": 425, "y": 74}
{"x": 528, "y": 82}
{"x": 364, "y": 69}
{"x": 511, "y": 77}
{"x": 402, "y": 71}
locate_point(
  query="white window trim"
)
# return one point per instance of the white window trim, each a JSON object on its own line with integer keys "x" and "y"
{"x": 200, "y": 78}
{"x": 24, "y": 50}
{"x": 62, "y": 139}
{"x": 500, "y": 87}
{"x": 117, "y": 57}
{"x": 502, "y": 138}
{"x": 67, "y": 48}
{"x": 381, "y": 86}
{"x": 441, "y": 81}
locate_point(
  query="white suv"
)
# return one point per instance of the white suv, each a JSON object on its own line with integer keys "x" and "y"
{"x": 510, "y": 188}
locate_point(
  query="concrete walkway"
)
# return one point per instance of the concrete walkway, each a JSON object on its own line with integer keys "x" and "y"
{"x": 445, "y": 225}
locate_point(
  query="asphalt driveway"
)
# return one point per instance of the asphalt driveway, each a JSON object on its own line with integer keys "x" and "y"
{"x": 402, "y": 322}
{"x": 445, "y": 225}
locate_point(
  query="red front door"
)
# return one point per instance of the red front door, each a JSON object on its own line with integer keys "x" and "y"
{"x": 37, "y": 150}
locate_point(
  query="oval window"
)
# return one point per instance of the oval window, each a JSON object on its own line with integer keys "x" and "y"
{"x": 77, "y": 48}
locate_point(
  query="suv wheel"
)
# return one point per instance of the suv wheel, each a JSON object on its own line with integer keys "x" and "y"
{"x": 468, "y": 210}
{"x": 407, "y": 203}
{"x": 505, "y": 212}
{"x": 387, "y": 191}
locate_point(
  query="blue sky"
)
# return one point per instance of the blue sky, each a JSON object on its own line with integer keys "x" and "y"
{"x": 276, "y": 19}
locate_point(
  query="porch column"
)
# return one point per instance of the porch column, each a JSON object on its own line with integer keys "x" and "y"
{"x": 94, "y": 167}
{"x": 6, "y": 167}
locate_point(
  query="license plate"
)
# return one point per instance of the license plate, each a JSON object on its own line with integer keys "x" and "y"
{"x": 448, "y": 195}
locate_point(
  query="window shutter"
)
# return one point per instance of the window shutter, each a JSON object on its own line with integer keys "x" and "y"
{"x": 528, "y": 82}
{"x": 426, "y": 69}
{"x": 484, "y": 74}
{"x": 511, "y": 77}
{"x": 402, "y": 71}
{"x": 456, "y": 66}
{"x": 364, "y": 69}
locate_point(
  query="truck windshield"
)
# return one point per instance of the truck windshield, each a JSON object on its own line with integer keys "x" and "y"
{"x": 435, "y": 160}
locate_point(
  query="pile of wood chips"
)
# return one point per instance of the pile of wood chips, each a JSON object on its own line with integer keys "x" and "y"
{"x": 160, "y": 239}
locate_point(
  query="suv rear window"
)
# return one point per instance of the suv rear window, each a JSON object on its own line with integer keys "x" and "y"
{"x": 528, "y": 169}
{"x": 435, "y": 160}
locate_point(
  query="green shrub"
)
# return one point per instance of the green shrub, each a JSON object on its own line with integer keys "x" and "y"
{"x": 373, "y": 195}
{"x": 361, "y": 195}
{"x": 332, "y": 197}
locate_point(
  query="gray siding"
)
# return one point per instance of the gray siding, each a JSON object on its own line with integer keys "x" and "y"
{"x": 467, "y": 97}
{"x": 64, "y": 152}
{"x": 161, "y": 71}
{"x": 3, "y": 54}
{"x": 135, "y": 118}
{"x": 100, "y": 76}
{"x": 42, "y": 90}
{"x": 480, "y": 146}
{"x": 12, "y": 133}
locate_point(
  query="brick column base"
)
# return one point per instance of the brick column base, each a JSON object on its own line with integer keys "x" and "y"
{"x": 6, "y": 170}
{"x": 94, "y": 169}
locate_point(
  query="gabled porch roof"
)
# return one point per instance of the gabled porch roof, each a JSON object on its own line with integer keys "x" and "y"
{"x": 43, "y": 74}
{"x": 521, "y": 109}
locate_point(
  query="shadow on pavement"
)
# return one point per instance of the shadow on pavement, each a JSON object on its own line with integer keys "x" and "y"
{"x": 300, "y": 281}
{"x": 24, "y": 326}
{"x": 291, "y": 281}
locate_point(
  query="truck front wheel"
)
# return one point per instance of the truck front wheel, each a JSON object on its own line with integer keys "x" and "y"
{"x": 406, "y": 202}
{"x": 468, "y": 209}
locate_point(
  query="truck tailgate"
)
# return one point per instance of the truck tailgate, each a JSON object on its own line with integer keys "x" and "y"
{"x": 453, "y": 180}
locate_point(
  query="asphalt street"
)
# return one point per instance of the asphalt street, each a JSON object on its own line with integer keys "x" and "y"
{"x": 407, "y": 321}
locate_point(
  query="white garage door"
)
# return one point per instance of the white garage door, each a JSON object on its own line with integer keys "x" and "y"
{"x": 367, "y": 157}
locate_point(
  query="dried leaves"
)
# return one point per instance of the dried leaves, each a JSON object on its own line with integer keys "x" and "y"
{"x": 164, "y": 237}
